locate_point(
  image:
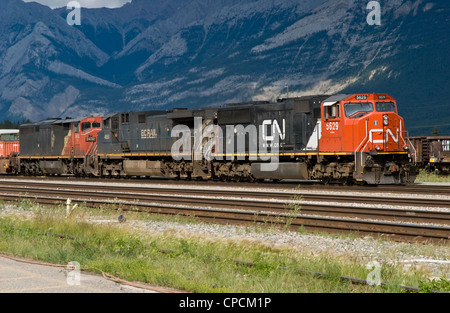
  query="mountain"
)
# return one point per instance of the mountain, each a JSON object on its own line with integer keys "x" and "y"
{"x": 191, "y": 53}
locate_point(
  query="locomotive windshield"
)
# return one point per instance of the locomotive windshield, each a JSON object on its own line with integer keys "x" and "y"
{"x": 386, "y": 107}
{"x": 357, "y": 109}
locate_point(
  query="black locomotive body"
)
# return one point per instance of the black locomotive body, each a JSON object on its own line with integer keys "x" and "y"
{"x": 45, "y": 138}
{"x": 42, "y": 147}
{"x": 279, "y": 139}
{"x": 131, "y": 143}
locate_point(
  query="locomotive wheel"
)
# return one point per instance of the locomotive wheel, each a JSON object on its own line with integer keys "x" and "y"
{"x": 346, "y": 181}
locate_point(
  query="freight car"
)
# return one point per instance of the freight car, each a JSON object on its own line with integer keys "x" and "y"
{"x": 9, "y": 142}
{"x": 341, "y": 138}
{"x": 433, "y": 153}
{"x": 9, "y": 149}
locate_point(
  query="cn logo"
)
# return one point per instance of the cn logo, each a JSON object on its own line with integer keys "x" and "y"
{"x": 275, "y": 128}
{"x": 389, "y": 133}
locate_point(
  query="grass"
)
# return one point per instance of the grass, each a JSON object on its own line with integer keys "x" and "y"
{"x": 191, "y": 263}
{"x": 427, "y": 177}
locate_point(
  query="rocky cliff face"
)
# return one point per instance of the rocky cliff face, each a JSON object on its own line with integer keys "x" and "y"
{"x": 191, "y": 53}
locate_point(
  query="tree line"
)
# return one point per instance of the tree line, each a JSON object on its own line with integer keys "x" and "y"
{"x": 7, "y": 124}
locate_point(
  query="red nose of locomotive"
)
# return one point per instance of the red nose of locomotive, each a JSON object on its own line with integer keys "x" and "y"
{"x": 379, "y": 127}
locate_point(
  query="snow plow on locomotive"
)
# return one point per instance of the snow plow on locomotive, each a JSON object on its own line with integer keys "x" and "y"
{"x": 341, "y": 138}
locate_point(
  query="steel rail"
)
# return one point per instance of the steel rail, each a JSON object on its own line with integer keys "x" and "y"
{"x": 286, "y": 194}
{"x": 419, "y": 188}
{"x": 291, "y": 220}
{"x": 261, "y": 204}
{"x": 390, "y": 230}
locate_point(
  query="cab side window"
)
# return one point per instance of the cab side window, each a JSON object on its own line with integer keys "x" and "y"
{"x": 332, "y": 111}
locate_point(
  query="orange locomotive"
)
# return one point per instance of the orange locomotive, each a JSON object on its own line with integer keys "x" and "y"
{"x": 364, "y": 139}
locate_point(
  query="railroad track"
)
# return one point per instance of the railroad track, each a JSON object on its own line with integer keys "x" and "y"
{"x": 286, "y": 195}
{"x": 417, "y": 188}
{"x": 293, "y": 209}
{"x": 389, "y": 195}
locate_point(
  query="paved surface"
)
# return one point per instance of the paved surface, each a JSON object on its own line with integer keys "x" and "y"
{"x": 19, "y": 277}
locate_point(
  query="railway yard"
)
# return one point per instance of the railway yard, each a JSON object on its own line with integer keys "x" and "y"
{"x": 404, "y": 225}
{"x": 254, "y": 150}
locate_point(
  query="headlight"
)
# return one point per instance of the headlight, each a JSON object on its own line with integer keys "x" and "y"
{"x": 385, "y": 120}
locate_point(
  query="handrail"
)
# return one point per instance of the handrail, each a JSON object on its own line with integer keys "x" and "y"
{"x": 362, "y": 142}
{"x": 365, "y": 139}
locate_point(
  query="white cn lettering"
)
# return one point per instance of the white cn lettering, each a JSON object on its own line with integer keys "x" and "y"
{"x": 389, "y": 133}
{"x": 275, "y": 127}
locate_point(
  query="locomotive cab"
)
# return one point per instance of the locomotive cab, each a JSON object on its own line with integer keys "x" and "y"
{"x": 368, "y": 128}
{"x": 362, "y": 123}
